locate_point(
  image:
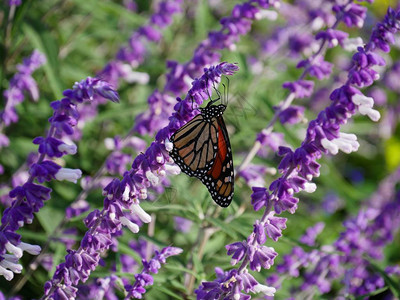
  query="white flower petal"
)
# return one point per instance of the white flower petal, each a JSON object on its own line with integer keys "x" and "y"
{"x": 143, "y": 216}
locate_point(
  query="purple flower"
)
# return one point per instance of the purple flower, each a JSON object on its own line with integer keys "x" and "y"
{"x": 20, "y": 83}
{"x": 272, "y": 140}
{"x": 259, "y": 198}
{"x": 292, "y": 115}
{"x": 274, "y": 226}
{"x": 316, "y": 67}
{"x": 382, "y": 35}
{"x": 14, "y": 2}
{"x": 261, "y": 257}
{"x": 29, "y": 197}
{"x": 237, "y": 250}
{"x": 284, "y": 199}
{"x": 254, "y": 175}
{"x": 144, "y": 278}
{"x": 300, "y": 88}
{"x": 311, "y": 234}
{"x": 182, "y": 224}
{"x": 353, "y": 14}
{"x": 333, "y": 36}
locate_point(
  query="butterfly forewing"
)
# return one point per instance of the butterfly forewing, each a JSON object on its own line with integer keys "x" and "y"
{"x": 201, "y": 148}
{"x": 194, "y": 146}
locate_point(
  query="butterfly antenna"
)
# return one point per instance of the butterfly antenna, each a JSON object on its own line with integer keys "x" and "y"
{"x": 218, "y": 94}
{"x": 227, "y": 89}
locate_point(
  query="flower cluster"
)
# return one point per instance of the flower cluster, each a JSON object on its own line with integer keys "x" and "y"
{"x": 30, "y": 197}
{"x": 134, "y": 54}
{"x": 144, "y": 278}
{"x": 122, "y": 197}
{"x": 21, "y": 83}
{"x": 130, "y": 57}
{"x": 350, "y": 13}
{"x": 206, "y": 54}
{"x": 348, "y": 258}
{"x": 299, "y": 167}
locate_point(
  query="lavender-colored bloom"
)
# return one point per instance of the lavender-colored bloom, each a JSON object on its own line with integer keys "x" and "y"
{"x": 316, "y": 67}
{"x": 239, "y": 23}
{"x": 259, "y": 198}
{"x": 309, "y": 237}
{"x": 30, "y": 197}
{"x": 144, "y": 278}
{"x": 21, "y": 83}
{"x": 182, "y": 224}
{"x": 271, "y": 139}
{"x": 301, "y": 88}
{"x": 392, "y": 78}
{"x": 254, "y": 175}
{"x": 353, "y": 14}
{"x": 14, "y": 2}
{"x": 148, "y": 169}
{"x": 274, "y": 226}
{"x": 333, "y": 36}
{"x": 292, "y": 115}
{"x": 364, "y": 236}
{"x": 230, "y": 284}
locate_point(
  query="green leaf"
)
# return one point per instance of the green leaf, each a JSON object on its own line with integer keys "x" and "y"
{"x": 182, "y": 269}
{"x": 393, "y": 285}
{"x": 49, "y": 218}
{"x": 167, "y": 291}
{"x": 125, "y": 249}
{"x": 374, "y": 293}
{"x": 225, "y": 227}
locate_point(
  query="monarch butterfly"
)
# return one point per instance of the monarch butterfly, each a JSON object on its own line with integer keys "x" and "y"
{"x": 201, "y": 148}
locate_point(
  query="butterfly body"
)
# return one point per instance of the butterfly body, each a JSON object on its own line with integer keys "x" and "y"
{"x": 201, "y": 148}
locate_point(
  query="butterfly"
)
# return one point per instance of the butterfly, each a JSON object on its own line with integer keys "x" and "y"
{"x": 201, "y": 148}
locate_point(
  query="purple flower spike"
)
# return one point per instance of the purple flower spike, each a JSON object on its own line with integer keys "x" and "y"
{"x": 30, "y": 197}
{"x": 21, "y": 83}
{"x": 144, "y": 278}
{"x": 353, "y": 14}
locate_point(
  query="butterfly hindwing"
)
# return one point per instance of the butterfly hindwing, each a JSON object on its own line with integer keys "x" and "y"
{"x": 219, "y": 180}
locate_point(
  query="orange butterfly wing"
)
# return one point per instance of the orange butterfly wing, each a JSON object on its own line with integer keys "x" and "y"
{"x": 219, "y": 180}
{"x": 201, "y": 148}
{"x": 194, "y": 146}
